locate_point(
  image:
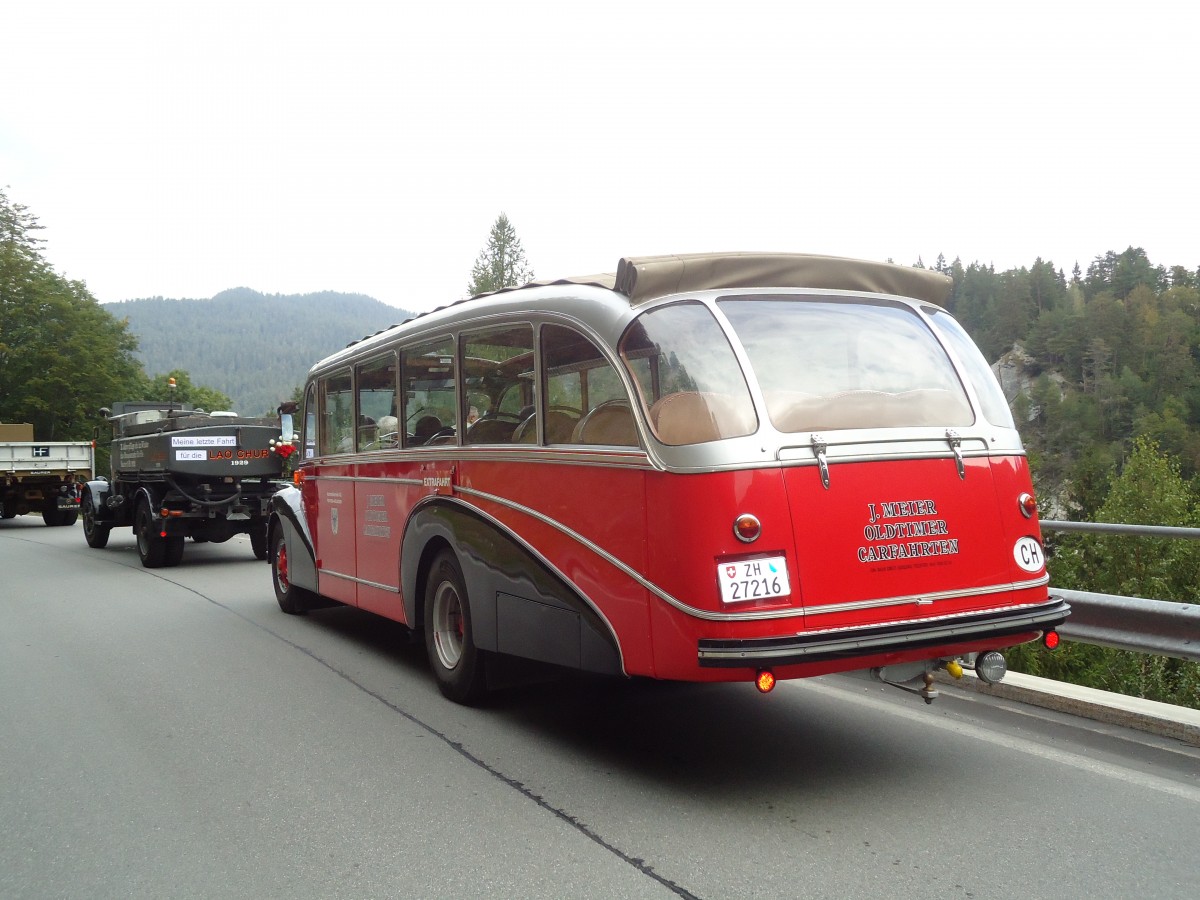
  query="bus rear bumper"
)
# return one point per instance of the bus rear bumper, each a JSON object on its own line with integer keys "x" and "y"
{"x": 847, "y": 643}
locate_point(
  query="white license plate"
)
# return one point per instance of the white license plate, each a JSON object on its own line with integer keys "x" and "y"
{"x": 753, "y": 579}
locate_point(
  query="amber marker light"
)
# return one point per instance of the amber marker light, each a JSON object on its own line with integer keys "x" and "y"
{"x": 1028, "y": 505}
{"x": 747, "y": 528}
{"x": 764, "y": 681}
{"x": 1051, "y": 640}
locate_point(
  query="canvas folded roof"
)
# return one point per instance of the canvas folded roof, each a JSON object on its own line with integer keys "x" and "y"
{"x": 642, "y": 278}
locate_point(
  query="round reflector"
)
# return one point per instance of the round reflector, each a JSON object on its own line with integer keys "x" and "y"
{"x": 1051, "y": 640}
{"x": 765, "y": 681}
{"x": 1028, "y": 505}
{"x": 747, "y": 528}
{"x": 991, "y": 667}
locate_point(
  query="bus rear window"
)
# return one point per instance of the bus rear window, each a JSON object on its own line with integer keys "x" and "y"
{"x": 690, "y": 383}
{"x": 826, "y": 365}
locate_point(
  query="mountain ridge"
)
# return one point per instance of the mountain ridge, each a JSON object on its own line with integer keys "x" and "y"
{"x": 254, "y": 347}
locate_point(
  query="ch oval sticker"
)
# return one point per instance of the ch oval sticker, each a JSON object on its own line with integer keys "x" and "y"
{"x": 1027, "y": 553}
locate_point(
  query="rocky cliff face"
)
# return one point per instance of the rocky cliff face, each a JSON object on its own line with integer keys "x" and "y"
{"x": 1017, "y": 371}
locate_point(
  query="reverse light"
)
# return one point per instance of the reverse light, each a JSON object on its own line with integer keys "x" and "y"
{"x": 764, "y": 681}
{"x": 991, "y": 667}
{"x": 1051, "y": 640}
{"x": 1028, "y": 505}
{"x": 747, "y": 528}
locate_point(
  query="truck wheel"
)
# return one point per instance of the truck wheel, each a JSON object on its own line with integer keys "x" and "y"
{"x": 293, "y": 600}
{"x": 51, "y": 517}
{"x": 68, "y": 517}
{"x": 258, "y": 539}
{"x": 8, "y": 513}
{"x": 458, "y": 665}
{"x": 94, "y": 533}
{"x": 152, "y": 549}
{"x": 172, "y": 549}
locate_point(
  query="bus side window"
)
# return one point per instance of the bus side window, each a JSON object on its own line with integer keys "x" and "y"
{"x": 377, "y": 421}
{"x": 337, "y": 414}
{"x": 585, "y": 401}
{"x": 427, "y": 374}
{"x": 497, "y": 367}
{"x": 692, "y": 388}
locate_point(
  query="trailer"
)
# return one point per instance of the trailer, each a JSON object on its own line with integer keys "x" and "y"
{"x": 179, "y": 473}
{"x": 42, "y": 476}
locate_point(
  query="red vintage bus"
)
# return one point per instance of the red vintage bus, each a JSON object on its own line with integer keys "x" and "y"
{"x": 718, "y": 467}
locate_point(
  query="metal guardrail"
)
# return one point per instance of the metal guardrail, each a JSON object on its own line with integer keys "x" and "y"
{"x": 1158, "y": 531}
{"x": 1132, "y": 623}
{"x": 1161, "y": 627}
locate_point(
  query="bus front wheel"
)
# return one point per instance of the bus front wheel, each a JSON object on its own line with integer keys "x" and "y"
{"x": 458, "y": 665}
{"x": 293, "y": 600}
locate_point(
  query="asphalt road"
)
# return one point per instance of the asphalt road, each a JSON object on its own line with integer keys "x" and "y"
{"x": 171, "y": 733}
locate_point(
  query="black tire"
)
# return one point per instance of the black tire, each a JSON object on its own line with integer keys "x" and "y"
{"x": 52, "y": 517}
{"x": 172, "y": 549}
{"x": 258, "y": 539}
{"x": 152, "y": 549}
{"x": 69, "y": 517}
{"x": 6, "y": 513}
{"x": 94, "y": 532}
{"x": 458, "y": 665}
{"x": 295, "y": 601}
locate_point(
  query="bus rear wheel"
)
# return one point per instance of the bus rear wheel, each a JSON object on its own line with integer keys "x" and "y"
{"x": 458, "y": 665}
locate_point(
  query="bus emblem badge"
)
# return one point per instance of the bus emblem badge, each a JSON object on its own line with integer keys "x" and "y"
{"x": 333, "y": 523}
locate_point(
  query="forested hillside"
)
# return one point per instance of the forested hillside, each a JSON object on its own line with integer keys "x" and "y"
{"x": 256, "y": 348}
{"x": 1091, "y": 361}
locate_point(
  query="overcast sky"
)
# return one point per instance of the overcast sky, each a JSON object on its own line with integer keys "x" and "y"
{"x": 178, "y": 149}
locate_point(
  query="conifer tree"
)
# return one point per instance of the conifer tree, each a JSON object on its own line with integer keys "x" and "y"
{"x": 502, "y": 261}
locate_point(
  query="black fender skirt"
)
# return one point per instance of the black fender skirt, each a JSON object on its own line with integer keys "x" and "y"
{"x": 519, "y": 605}
{"x": 286, "y": 514}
